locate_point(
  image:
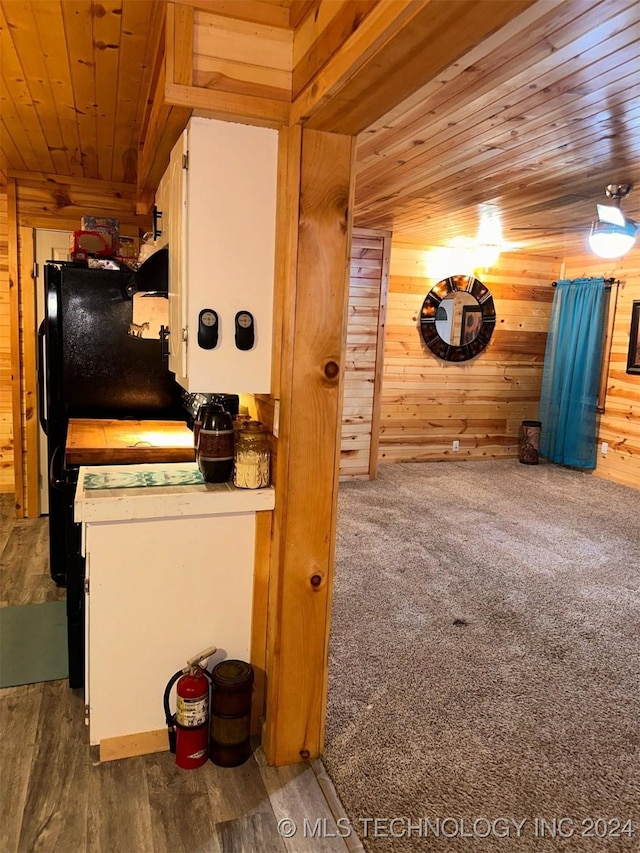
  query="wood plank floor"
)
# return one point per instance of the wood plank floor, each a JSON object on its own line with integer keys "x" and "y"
{"x": 54, "y": 797}
{"x": 24, "y": 565}
{"x": 7, "y": 517}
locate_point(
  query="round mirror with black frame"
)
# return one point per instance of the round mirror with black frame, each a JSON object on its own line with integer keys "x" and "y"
{"x": 457, "y": 318}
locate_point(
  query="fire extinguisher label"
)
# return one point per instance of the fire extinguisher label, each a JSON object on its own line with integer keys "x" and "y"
{"x": 191, "y": 712}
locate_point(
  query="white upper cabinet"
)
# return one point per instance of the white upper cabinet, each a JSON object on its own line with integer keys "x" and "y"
{"x": 219, "y": 216}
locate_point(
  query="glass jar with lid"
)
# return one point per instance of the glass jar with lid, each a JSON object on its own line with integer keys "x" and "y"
{"x": 252, "y": 457}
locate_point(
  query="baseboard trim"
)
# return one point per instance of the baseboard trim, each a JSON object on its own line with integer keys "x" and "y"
{"x": 127, "y": 746}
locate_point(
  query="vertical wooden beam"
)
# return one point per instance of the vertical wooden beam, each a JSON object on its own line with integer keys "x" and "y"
{"x": 377, "y": 381}
{"x": 29, "y": 373}
{"x": 259, "y": 617}
{"x": 163, "y": 123}
{"x": 14, "y": 320}
{"x": 313, "y": 345}
{"x": 287, "y": 213}
{"x": 179, "y": 44}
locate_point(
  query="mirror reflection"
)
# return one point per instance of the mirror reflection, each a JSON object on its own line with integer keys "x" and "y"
{"x": 459, "y": 319}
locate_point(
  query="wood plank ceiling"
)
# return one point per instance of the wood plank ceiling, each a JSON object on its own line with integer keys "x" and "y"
{"x": 74, "y": 74}
{"x": 526, "y": 129}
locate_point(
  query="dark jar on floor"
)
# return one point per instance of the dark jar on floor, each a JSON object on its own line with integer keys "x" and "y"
{"x": 529, "y": 442}
{"x": 215, "y": 444}
{"x": 231, "y": 713}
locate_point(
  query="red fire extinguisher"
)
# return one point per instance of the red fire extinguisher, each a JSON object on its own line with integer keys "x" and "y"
{"x": 189, "y": 726}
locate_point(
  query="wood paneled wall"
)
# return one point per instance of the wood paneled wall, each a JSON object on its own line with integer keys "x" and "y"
{"x": 619, "y": 424}
{"x": 6, "y": 422}
{"x": 366, "y": 315}
{"x": 243, "y": 57}
{"x": 58, "y": 201}
{"x": 428, "y": 403}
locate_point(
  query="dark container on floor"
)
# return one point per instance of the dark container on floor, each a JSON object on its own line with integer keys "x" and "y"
{"x": 529, "y": 442}
{"x": 231, "y": 713}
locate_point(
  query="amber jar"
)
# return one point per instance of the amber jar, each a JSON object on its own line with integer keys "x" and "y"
{"x": 232, "y": 682}
{"x": 252, "y": 457}
{"x": 214, "y": 451}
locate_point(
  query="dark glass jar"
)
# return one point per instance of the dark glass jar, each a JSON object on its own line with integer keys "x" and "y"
{"x": 215, "y": 444}
{"x": 231, "y": 713}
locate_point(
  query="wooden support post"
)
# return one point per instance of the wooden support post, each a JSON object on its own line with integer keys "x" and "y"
{"x": 14, "y": 326}
{"x": 29, "y": 373}
{"x": 377, "y": 385}
{"x": 164, "y": 123}
{"x": 314, "y": 226}
{"x": 179, "y": 44}
{"x": 259, "y": 617}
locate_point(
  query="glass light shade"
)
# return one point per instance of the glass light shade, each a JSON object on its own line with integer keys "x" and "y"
{"x": 612, "y": 241}
{"x": 609, "y": 213}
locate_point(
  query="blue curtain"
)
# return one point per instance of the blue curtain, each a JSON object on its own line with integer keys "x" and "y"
{"x": 571, "y": 374}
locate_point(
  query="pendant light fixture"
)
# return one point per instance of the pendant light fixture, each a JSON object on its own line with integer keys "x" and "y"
{"x": 612, "y": 233}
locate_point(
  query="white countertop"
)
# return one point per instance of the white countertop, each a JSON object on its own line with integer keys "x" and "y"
{"x": 167, "y": 501}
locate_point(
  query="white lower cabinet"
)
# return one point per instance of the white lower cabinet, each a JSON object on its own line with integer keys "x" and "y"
{"x": 170, "y": 572}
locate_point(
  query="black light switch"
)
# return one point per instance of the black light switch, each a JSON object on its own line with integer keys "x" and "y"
{"x": 207, "y": 328}
{"x": 245, "y": 330}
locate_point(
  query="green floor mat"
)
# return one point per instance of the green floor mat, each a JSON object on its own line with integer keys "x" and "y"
{"x": 33, "y": 643}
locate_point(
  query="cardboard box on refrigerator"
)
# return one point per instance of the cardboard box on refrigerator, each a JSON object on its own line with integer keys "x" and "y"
{"x": 103, "y": 225}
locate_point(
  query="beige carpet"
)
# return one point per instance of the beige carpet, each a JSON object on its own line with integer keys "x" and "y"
{"x": 485, "y": 659}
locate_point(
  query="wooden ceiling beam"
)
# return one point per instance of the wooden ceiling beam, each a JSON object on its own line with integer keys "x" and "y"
{"x": 398, "y": 47}
{"x": 165, "y": 121}
{"x": 299, "y": 10}
{"x": 254, "y": 11}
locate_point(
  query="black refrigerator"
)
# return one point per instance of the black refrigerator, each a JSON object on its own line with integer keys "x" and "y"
{"x": 94, "y": 362}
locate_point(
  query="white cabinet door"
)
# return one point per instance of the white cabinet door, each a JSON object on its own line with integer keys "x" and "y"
{"x": 162, "y": 206}
{"x": 161, "y": 590}
{"x": 176, "y": 201}
{"x": 221, "y": 220}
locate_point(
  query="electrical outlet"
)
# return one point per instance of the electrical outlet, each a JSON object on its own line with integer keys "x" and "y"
{"x": 456, "y": 446}
{"x": 604, "y": 448}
